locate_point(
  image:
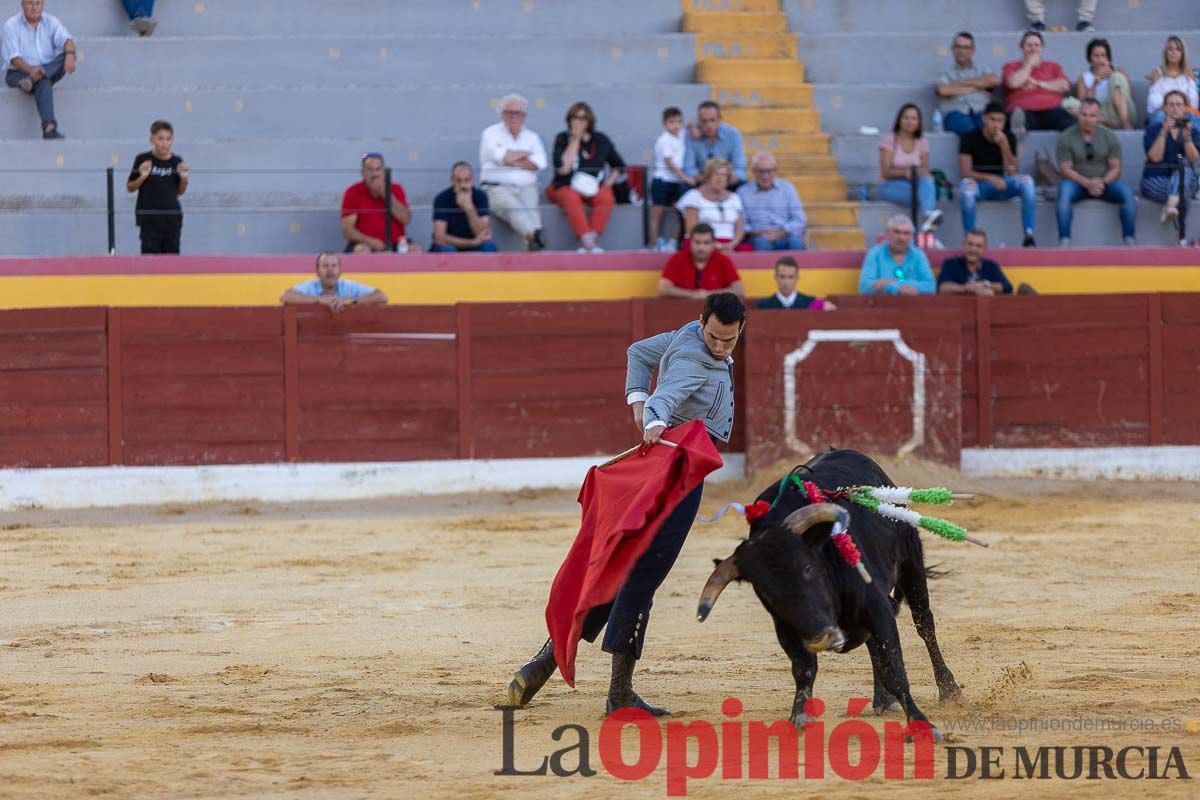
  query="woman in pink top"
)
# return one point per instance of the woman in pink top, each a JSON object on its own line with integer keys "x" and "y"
{"x": 901, "y": 150}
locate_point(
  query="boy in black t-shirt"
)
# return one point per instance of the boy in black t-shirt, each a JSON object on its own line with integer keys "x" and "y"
{"x": 987, "y": 163}
{"x": 159, "y": 177}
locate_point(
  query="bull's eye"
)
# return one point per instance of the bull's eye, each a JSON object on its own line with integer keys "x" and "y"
{"x": 807, "y": 571}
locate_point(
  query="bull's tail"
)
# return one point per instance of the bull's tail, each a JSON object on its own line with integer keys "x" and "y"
{"x": 932, "y": 573}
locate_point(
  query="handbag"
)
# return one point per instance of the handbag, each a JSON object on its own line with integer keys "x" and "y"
{"x": 586, "y": 185}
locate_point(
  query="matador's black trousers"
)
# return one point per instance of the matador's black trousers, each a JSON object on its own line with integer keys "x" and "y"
{"x": 629, "y": 612}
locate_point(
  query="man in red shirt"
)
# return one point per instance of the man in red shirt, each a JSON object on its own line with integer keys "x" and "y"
{"x": 696, "y": 273}
{"x": 363, "y": 223}
{"x": 1034, "y": 90}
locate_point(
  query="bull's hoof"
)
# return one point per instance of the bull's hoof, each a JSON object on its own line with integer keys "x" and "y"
{"x": 951, "y": 694}
{"x": 937, "y": 735}
{"x": 891, "y": 708}
{"x": 801, "y": 719}
{"x": 635, "y": 702}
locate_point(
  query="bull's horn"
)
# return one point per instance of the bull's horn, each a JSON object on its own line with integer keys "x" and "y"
{"x": 725, "y": 572}
{"x": 802, "y": 519}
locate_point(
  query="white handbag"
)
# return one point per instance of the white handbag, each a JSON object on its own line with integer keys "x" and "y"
{"x": 586, "y": 185}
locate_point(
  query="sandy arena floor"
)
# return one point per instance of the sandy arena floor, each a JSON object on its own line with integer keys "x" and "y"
{"x": 356, "y": 650}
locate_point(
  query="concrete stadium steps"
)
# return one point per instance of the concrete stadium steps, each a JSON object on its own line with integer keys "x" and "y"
{"x": 836, "y": 238}
{"x": 750, "y": 71}
{"x": 251, "y": 230}
{"x": 832, "y": 214}
{"x": 76, "y": 167}
{"x": 381, "y": 60}
{"x": 950, "y": 16}
{"x": 800, "y": 164}
{"x": 723, "y": 44}
{"x": 1095, "y": 224}
{"x": 781, "y": 144}
{"x": 828, "y": 187}
{"x": 735, "y": 22}
{"x": 842, "y": 58}
{"x": 237, "y": 113}
{"x": 731, "y": 6}
{"x": 763, "y": 96}
{"x": 759, "y": 120}
{"x": 859, "y": 155}
{"x": 748, "y": 54}
{"x": 89, "y": 18}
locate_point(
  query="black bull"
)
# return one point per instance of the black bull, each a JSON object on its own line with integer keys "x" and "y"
{"x": 820, "y": 603}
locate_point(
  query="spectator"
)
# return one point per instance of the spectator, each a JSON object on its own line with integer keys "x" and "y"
{"x": 460, "y": 215}
{"x": 699, "y": 269}
{"x": 160, "y": 177}
{"x": 711, "y": 202}
{"x": 711, "y": 139}
{"x": 1107, "y": 84}
{"x": 363, "y": 223}
{"x": 971, "y": 273}
{"x": 896, "y": 266}
{"x": 987, "y": 162}
{"x": 586, "y": 165}
{"x": 141, "y": 16}
{"x": 774, "y": 216}
{"x": 965, "y": 89}
{"x": 1168, "y": 142}
{"x": 1086, "y": 14}
{"x": 1173, "y": 75}
{"x": 669, "y": 181}
{"x": 787, "y": 273}
{"x": 1034, "y": 90}
{"x": 901, "y": 150}
{"x": 1089, "y": 160}
{"x": 510, "y": 157}
{"x": 331, "y": 290}
{"x": 37, "y": 51}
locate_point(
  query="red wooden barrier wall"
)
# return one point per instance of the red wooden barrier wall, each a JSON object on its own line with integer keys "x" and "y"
{"x": 53, "y": 388}
{"x": 854, "y": 394}
{"x": 245, "y": 385}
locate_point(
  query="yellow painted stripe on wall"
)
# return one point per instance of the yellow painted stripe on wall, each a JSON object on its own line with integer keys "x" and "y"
{"x": 428, "y": 288}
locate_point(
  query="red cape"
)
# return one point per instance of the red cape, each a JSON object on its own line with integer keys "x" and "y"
{"x": 623, "y": 506}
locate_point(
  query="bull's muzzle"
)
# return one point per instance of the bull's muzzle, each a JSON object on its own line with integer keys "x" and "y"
{"x": 831, "y": 638}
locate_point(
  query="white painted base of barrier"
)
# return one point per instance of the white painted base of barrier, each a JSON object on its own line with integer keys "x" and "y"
{"x": 109, "y": 487}
{"x": 1112, "y": 463}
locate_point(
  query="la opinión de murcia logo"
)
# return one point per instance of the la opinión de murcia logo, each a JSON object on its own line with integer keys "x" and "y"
{"x": 854, "y": 750}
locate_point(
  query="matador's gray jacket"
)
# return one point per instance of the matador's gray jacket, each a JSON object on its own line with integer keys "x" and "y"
{"x": 691, "y": 383}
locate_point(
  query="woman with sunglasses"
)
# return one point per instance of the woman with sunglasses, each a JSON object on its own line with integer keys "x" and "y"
{"x": 713, "y": 203}
{"x": 586, "y": 164}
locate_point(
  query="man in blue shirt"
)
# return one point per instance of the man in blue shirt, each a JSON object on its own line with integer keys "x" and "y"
{"x": 37, "y": 51}
{"x": 460, "y": 216}
{"x": 896, "y": 266}
{"x": 712, "y": 138}
{"x": 331, "y": 290}
{"x": 772, "y": 210}
{"x": 971, "y": 273}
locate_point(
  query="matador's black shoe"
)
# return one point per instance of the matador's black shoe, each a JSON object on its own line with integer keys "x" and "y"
{"x": 532, "y": 677}
{"x": 620, "y": 690}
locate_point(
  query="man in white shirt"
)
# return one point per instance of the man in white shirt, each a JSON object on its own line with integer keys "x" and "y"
{"x": 510, "y": 157}
{"x": 37, "y": 51}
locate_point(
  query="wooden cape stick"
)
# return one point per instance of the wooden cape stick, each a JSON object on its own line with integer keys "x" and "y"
{"x": 631, "y": 451}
